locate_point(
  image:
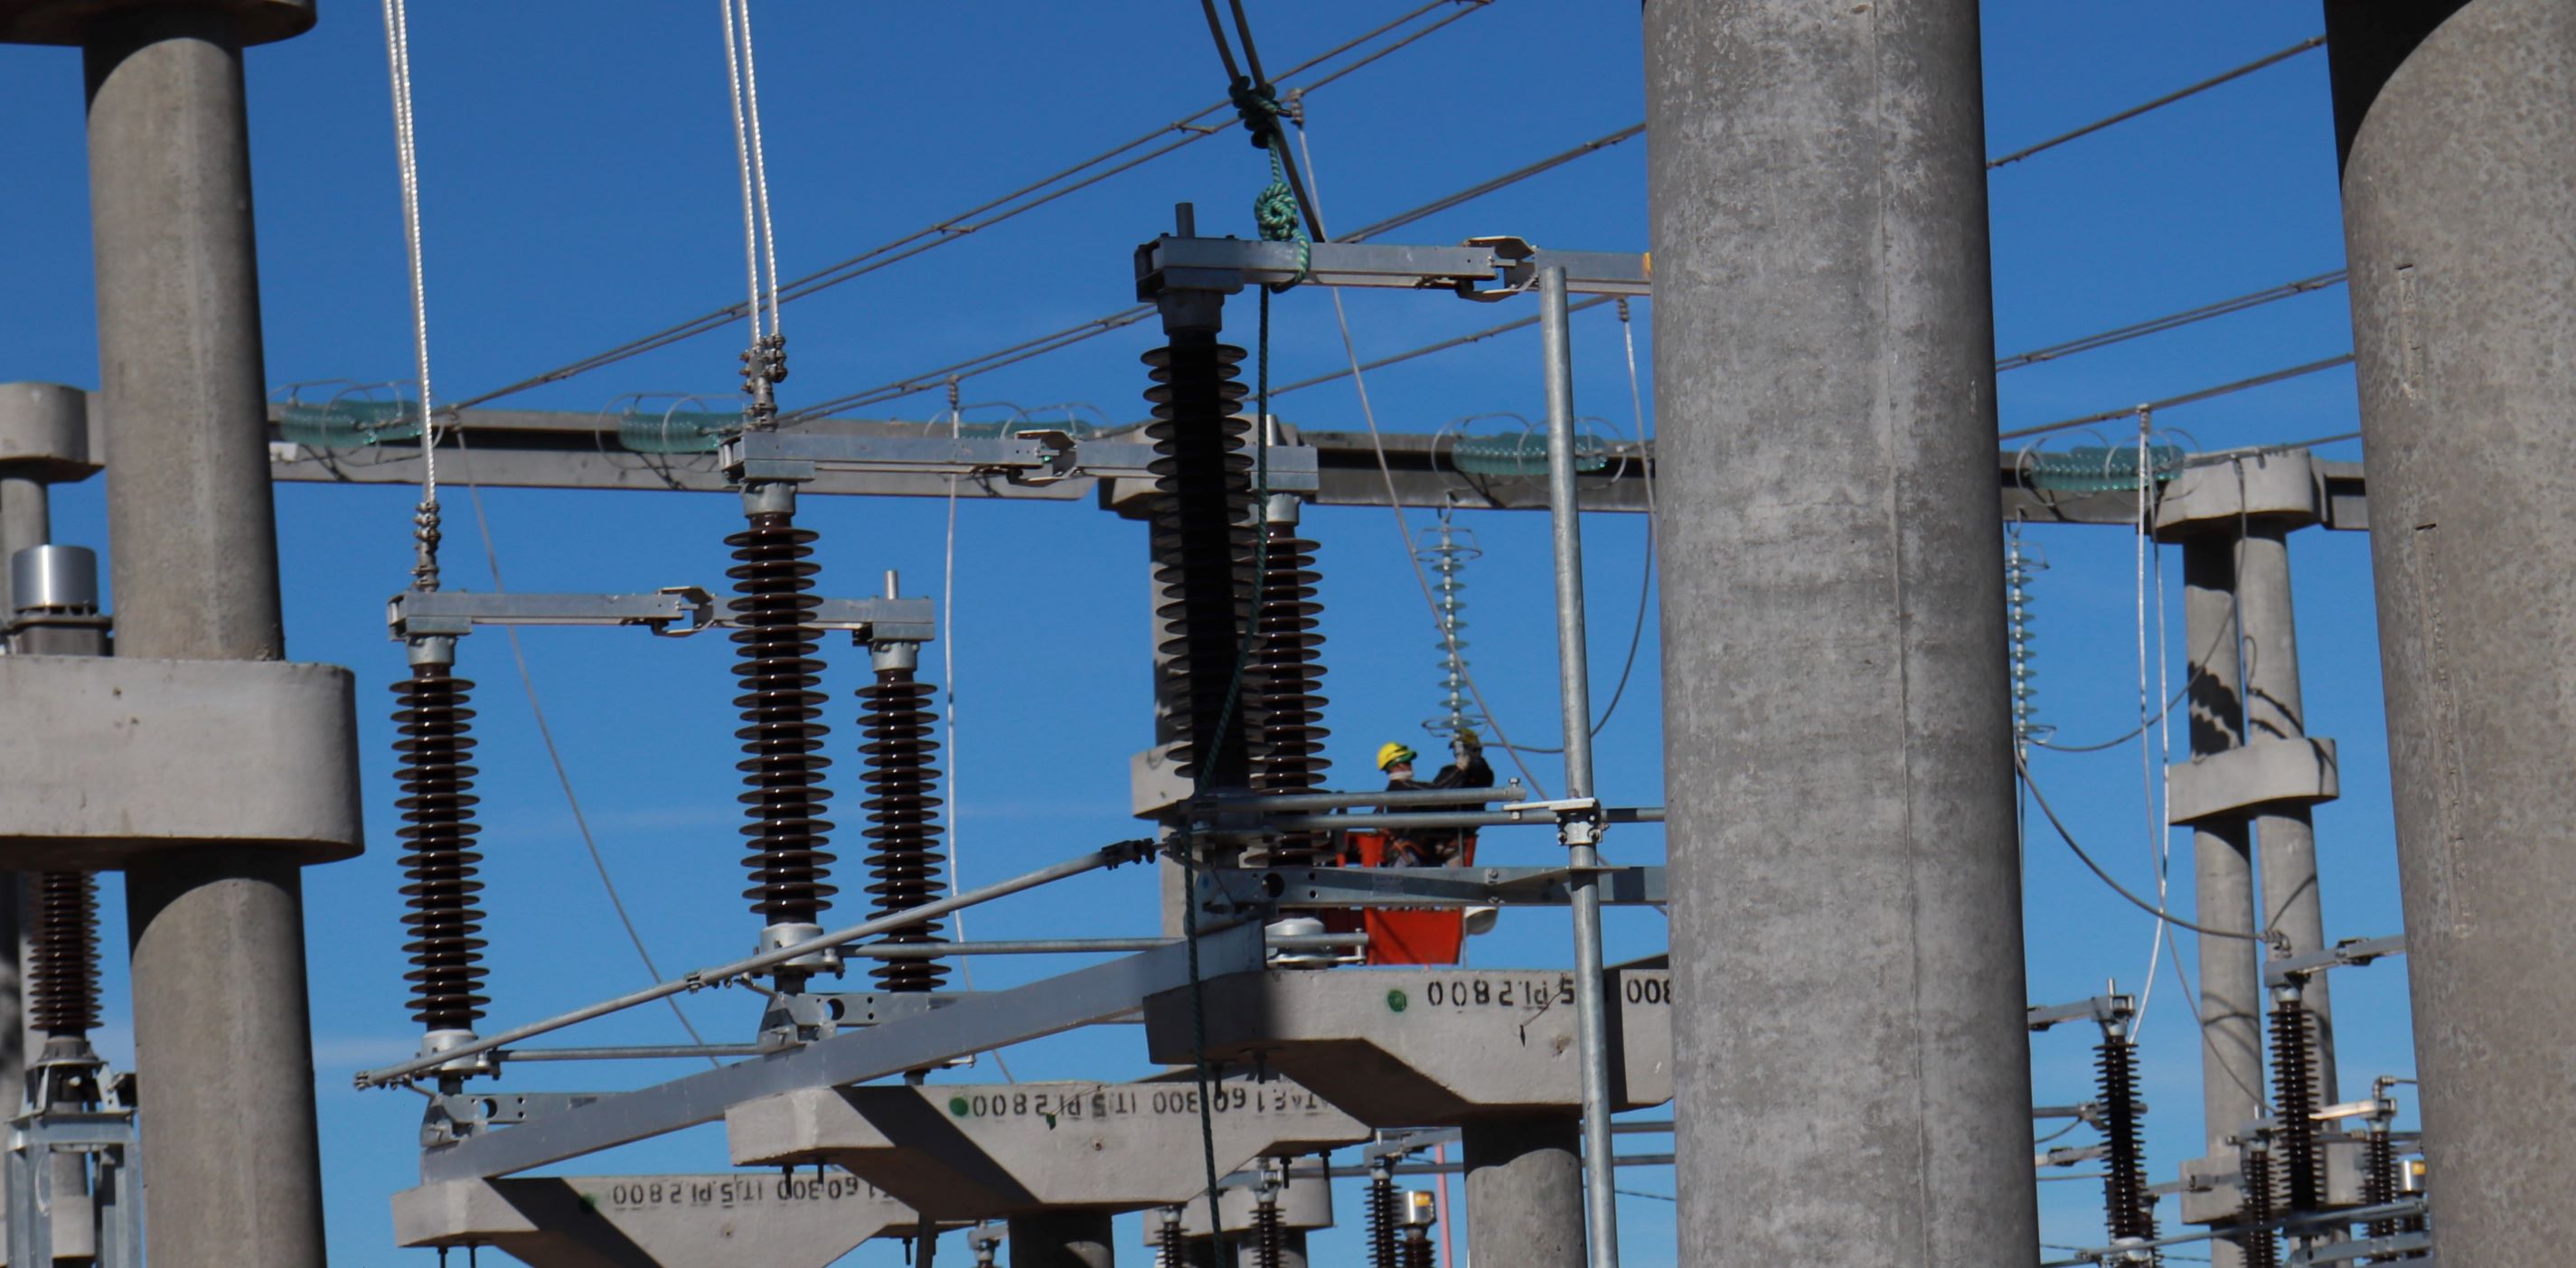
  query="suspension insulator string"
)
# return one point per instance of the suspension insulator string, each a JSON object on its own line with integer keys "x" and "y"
{"x": 2130, "y": 1210}
{"x": 432, "y": 718}
{"x": 2022, "y": 565}
{"x": 1447, "y": 558}
{"x": 2294, "y": 1098}
{"x": 782, "y": 735}
{"x": 1382, "y": 1214}
{"x": 903, "y": 835}
{"x": 2261, "y": 1248}
{"x": 1283, "y": 692}
{"x": 1201, "y": 539}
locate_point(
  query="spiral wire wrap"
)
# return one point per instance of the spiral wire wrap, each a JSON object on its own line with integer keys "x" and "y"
{"x": 783, "y": 769}
{"x": 2131, "y": 1211}
{"x": 64, "y": 961}
{"x": 1269, "y": 1238}
{"x": 1202, "y": 545}
{"x": 903, "y": 865}
{"x": 2262, "y": 1249}
{"x": 2294, "y": 1101}
{"x": 445, "y": 917}
{"x": 1284, "y": 685}
{"x": 1382, "y": 1219}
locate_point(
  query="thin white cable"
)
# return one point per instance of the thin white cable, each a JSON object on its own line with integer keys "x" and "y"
{"x": 1394, "y": 504}
{"x": 742, "y": 161}
{"x": 407, "y": 157}
{"x": 948, "y": 716}
{"x": 2157, "y": 836}
{"x": 759, "y": 169}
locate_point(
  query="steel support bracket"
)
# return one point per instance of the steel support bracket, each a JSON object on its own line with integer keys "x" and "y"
{"x": 457, "y": 1116}
{"x": 1483, "y": 268}
{"x": 1225, "y": 890}
{"x": 2105, "y": 1009}
{"x": 2289, "y": 969}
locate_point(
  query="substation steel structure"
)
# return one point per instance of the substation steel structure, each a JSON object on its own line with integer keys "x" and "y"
{"x": 1895, "y": 766}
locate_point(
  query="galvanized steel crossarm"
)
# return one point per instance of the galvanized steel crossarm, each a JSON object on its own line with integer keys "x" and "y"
{"x": 1482, "y": 268}
{"x": 674, "y": 610}
{"x": 1242, "y": 888}
{"x": 2351, "y": 952}
{"x": 1045, "y": 1007}
{"x": 1105, "y": 857}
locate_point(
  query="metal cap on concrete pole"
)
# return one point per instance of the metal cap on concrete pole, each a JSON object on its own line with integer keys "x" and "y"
{"x": 1851, "y": 1074}
{"x": 2458, "y": 128}
{"x": 222, "y": 1033}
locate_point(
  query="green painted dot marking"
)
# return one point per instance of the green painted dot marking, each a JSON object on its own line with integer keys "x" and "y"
{"x": 1395, "y": 1001}
{"x": 957, "y": 1106}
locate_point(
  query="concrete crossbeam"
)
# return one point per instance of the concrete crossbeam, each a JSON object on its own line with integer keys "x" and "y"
{"x": 664, "y": 1221}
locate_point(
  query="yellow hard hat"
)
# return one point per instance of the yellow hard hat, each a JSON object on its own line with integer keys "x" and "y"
{"x": 1391, "y": 752}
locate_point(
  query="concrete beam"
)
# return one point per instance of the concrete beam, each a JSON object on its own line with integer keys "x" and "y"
{"x": 975, "y": 1151}
{"x": 1426, "y": 1047}
{"x": 665, "y": 1221}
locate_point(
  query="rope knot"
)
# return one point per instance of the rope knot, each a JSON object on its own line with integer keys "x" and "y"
{"x": 1258, "y": 106}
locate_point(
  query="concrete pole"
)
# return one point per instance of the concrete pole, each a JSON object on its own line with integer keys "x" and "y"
{"x": 222, "y": 1036}
{"x": 2285, "y": 837}
{"x": 2231, "y": 968}
{"x": 25, "y": 520}
{"x": 1062, "y": 1239}
{"x": 1851, "y": 1072}
{"x": 2459, "y": 186}
{"x": 1524, "y": 1192}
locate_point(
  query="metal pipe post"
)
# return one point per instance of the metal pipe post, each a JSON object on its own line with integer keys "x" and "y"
{"x": 2459, "y": 187}
{"x": 1525, "y": 1192}
{"x": 222, "y": 1033}
{"x": 2231, "y": 969}
{"x": 1574, "y": 680}
{"x": 2285, "y": 836}
{"x": 1849, "y": 1061}
{"x": 1072, "y": 1238}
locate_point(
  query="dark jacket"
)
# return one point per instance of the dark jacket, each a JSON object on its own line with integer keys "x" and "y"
{"x": 1437, "y": 847}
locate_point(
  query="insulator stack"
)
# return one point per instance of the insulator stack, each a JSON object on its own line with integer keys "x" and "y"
{"x": 2022, "y": 565}
{"x": 1201, "y": 538}
{"x": 1284, "y": 683}
{"x": 2379, "y": 1179}
{"x": 2261, "y": 1249}
{"x": 438, "y": 829}
{"x": 1447, "y": 559}
{"x": 2131, "y": 1211}
{"x": 1382, "y": 1215}
{"x": 783, "y": 769}
{"x": 903, "y": 863}
{"x": 64, "y": 963}
{"x": 1169, "y": 1250}
{"x": 1269, "y": 1238}
{"x": 1418, "y": 1252}
{"x": 2294, "y": 1103}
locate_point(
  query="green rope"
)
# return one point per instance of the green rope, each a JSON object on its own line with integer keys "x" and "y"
{"x": 1274, "y": 209}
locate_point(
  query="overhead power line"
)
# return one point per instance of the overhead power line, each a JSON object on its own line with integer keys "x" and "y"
{"x": 2314, "y": 41}
{"x": 2171, "y": 321}
{"x": 1091, "y": 171}
{"x": 985, "y": 363}
{"x": 2186, "y": 398}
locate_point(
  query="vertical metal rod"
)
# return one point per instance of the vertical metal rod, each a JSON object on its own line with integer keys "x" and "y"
{"x": 1573, "y": 667}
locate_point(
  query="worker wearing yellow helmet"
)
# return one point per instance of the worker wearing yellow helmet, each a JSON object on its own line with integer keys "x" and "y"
{"x": 1434, "y": 847}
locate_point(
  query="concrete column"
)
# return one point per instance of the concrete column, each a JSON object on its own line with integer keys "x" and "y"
{"x": 1524, "y": 1192}
{"x": 1851, "y": 1072}
{"x": 2232, "y": 1081}
{"x": 222, "y": 1039}
{"x": 2459, "y": 185}
{"x": 2285, "y": 838}
{"x": 1061, "y": 1239}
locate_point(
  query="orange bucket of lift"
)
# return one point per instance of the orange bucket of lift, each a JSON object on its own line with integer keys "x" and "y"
{"x": 1405, "y": 935}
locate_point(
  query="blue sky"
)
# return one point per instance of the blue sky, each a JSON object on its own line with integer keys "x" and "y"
{"x": 578, "y": 190}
